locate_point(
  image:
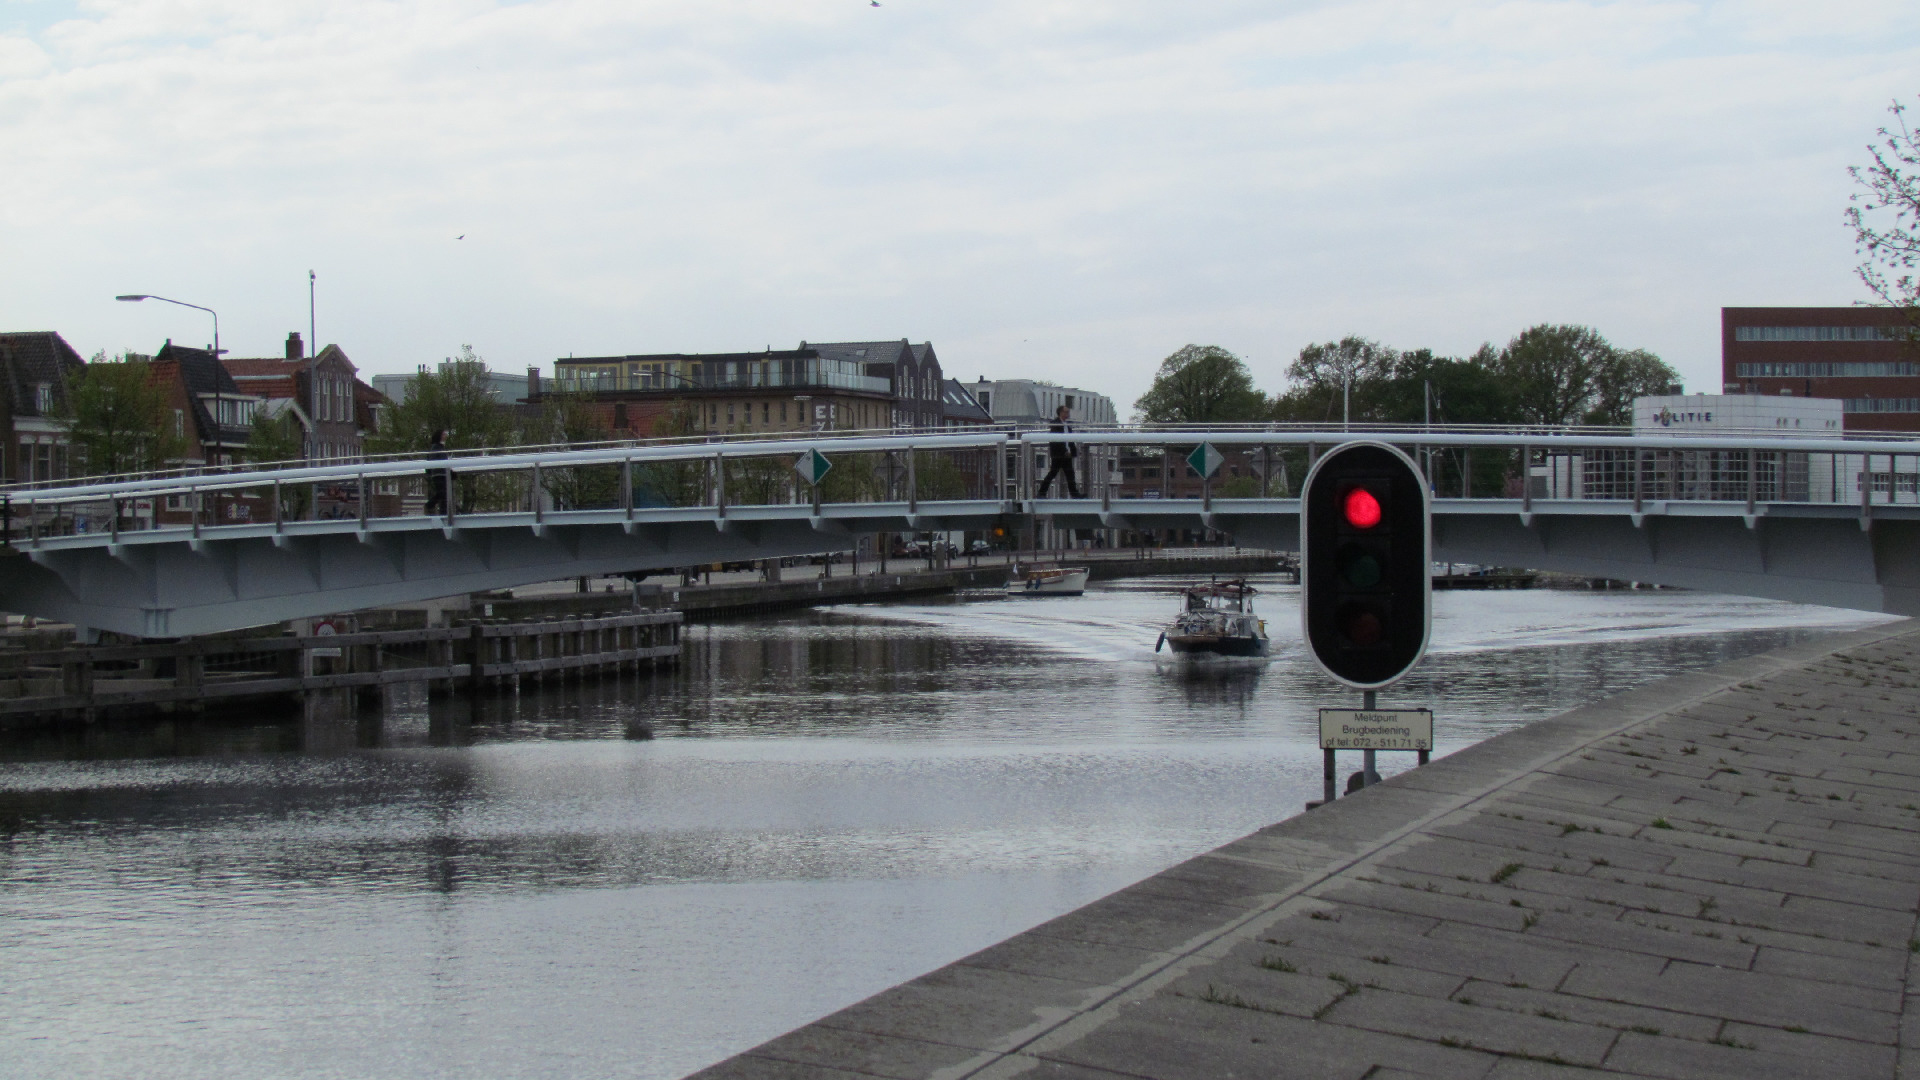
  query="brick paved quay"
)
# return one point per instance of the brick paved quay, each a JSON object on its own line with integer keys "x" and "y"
{"x": 1713, "y": 876}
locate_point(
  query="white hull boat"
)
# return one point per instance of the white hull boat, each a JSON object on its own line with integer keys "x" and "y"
{"x": 1048, "y": 581}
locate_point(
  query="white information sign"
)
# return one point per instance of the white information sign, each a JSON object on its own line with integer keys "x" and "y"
{"x": 1376, "y": 729}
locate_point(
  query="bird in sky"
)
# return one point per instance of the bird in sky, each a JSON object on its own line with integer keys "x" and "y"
{"x": 876, "y": 3}
{"x": 462, "y": 236}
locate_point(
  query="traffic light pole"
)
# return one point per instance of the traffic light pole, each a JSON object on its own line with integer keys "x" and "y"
{"x": 1368, "y": 775}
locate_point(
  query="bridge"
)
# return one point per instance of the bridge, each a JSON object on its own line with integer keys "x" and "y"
{"x": 1820, "y": 520}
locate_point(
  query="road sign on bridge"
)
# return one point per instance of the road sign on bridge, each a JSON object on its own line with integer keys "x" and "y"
{"x": 813, "y": 467}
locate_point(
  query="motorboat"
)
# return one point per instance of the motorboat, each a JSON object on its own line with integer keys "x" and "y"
{"x": 1048, "y": 581}
{"x": 1217, "y": 618}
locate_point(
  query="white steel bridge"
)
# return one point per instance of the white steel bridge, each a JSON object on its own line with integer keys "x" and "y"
{"x": 1820, "y": 520}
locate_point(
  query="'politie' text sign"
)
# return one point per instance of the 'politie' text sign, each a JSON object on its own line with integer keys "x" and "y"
{"x": 1376, "y": 729}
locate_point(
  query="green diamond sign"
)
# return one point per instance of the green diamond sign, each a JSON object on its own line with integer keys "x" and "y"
{"x": 1206, "y": 460}
{"x": 813, "y": 467}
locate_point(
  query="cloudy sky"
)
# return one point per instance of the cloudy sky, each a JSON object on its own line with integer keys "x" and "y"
{"x": 1053, "y": 188}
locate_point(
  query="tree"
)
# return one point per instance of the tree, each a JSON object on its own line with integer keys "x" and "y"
{"x": 454, "y": 399}
{"x": 118, "y": 418}
{"x": 1625, "y": 375}
{"x": 278, "y": 439}
{"x": 1447, "y": 390}
{"x": 1340, "y": 379}
{"x": 1201, "y": 384}
{"x": 1552, "y": 371}
{"x": 571, "y": 420}
{"x": 1886, "y": 217}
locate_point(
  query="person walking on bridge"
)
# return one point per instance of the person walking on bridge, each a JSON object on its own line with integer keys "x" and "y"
{"x": 1060, "y": 456}
{"x": 437, "y": 478}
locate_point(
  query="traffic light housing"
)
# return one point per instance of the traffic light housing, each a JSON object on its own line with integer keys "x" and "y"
{"x": 1366, "y": 605}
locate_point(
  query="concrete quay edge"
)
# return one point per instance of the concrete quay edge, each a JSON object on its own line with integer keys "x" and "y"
{"x": 1113, "y": 989}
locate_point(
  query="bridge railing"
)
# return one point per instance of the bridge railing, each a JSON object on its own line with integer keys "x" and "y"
{"x": 1001, "y": 466}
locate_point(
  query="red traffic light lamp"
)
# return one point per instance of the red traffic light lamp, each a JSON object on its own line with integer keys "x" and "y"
{"x": 1361, "y": 509}
{"x": 1365, "y": 564}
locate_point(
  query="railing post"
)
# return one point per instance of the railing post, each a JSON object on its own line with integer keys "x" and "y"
{"x": 533, "y": 494}
{"x": 626, "y": 487}
{"x": 362, "y": 481}
{"x": 277, "y": 527}
{"x": 33, "y": 524}
{"x": 113, "y": 528}
{"x": 1526, "y": 479}
{"x": 1753, "y": 479}
{"x": 193, "y": 507}
{"x": 719, "y": 484}
{"x": 1466, "y": 473}
{"x": 6, "y": 521}
{"x": 913, "y": 484}
{"x": 1637, "y": 451}
{"x": 1866, "y": 487}
{"x": 446, "y": 481}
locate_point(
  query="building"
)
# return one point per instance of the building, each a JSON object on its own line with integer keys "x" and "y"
{"x": 34, "y": 368}
{"x": 913, "y": 372}
{"x": 1777, "y": 476}
{"x": 508, "y": 390}
{"x": 1865, "y": 357}
{"x": 728, "y": 393}
{"x": 323, "y": 393}
{"x": 1031, "y": 401}
{"x": 960, "y": 410}
{"x": 208, "y": 408}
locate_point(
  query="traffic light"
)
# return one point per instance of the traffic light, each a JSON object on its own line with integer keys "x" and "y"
{"x": 1365, "y": 564}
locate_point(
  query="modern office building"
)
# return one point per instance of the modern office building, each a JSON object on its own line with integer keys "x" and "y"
{"x": 1867, "y": 358}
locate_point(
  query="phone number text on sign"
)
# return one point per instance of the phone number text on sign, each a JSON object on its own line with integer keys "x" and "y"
{"x": 1376, "y": 729}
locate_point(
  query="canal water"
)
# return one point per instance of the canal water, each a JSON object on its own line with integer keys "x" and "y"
{"x": 831, "y": 802}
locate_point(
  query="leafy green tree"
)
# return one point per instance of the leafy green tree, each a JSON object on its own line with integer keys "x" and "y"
{"x": 1447, "y": 390}
{"x": 1201, "y": 384}
{"x": 274, "y": 440}
{"x": 118, "y": 418}
{"x": 1553, "y": 371}
{"x": 571, "y": 420}
{"x": 1886, "y": 217}
{"x": 1340, "y": 378}
{"x": 455, "y": 399}
{"x": 1628, "y": 374}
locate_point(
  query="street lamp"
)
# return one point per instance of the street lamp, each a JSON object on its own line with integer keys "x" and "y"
{"x": 218, "y": 421}
{"x": 137, "y": 297}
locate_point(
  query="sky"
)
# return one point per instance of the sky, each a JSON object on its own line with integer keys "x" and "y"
{"x": 1057, "y": 189}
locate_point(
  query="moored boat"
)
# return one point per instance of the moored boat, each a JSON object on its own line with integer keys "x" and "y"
{"x": 1048, "y": 581}
{"x": 1217, "y": 618}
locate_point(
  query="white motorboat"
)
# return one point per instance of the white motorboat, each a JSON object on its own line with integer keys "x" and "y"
{"x": 1217, "y": 618}
{"x": 1048, "y": 581}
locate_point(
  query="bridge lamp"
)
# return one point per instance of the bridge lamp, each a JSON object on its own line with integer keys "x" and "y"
{"x": 1365, "y": 564}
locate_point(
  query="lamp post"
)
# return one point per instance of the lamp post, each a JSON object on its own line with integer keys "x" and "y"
{"x": 136, "y": 297}
{"x": 218, "y": 436}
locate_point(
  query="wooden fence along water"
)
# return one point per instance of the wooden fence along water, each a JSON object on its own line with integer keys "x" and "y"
{"x": 189, "y": 674}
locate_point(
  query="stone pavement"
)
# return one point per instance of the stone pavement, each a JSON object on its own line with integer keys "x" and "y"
{"x": 1713, "y": 876}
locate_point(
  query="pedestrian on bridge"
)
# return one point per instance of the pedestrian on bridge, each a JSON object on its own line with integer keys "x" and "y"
{"x": 437, "y": 478}
{"x": 1060, "y": 456}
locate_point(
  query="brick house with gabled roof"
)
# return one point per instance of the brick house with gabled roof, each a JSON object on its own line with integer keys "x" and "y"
{"x": 335, "y": 421}
{"x": 211, "y": 411}
{"x": 34, "y": 368}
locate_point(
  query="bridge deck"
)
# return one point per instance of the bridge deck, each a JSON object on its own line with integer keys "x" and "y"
{"x": 1714, "y": 876}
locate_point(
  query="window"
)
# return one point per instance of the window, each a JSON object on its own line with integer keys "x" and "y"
{"x": 766, "y": 414}
{"x": 1849, "y": 370}
{"x": 1881, "y": 405}
{"x": 43, "y": 398}
{"x": 1817, "y": 333}
{"x": 783, "y": 412}
{"x": 179, "y": 424}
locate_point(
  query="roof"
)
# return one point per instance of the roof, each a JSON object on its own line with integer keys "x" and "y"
{"x": 804, "y": 352}
{"x": 957, "y": 404}
{"x": 29, "y": 358}
{"x": 880, "y": 357}
{"x": 202, "y": 376}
